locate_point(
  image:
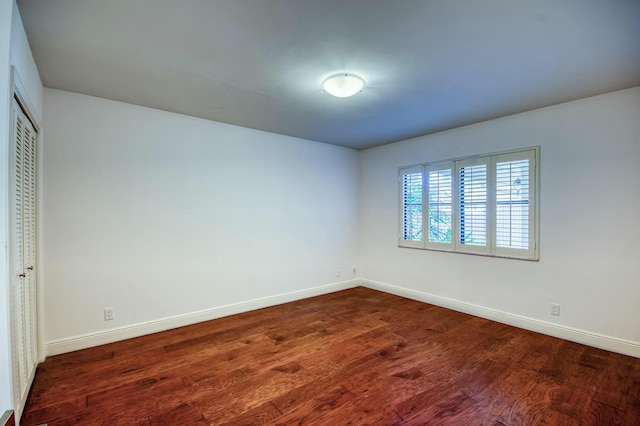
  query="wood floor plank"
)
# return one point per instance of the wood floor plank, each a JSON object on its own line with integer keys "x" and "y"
{"x": 615, "y": 384}
{"x": 313, "y": 406}
{"x": 184, "y": 414}
{"x": 355, "y": 357}
{"x": 498, "y": 400}
{"x": 567, "y": 357}
{"x": 632, "y": 413}
{"x": 547, "y": 401}
{"x": 602, "y": 414}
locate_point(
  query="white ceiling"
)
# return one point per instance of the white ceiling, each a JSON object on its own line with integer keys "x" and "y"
{"x": 430, "y": 65}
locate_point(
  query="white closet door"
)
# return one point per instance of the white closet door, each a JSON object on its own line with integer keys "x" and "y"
{"x": 23, "y": 256}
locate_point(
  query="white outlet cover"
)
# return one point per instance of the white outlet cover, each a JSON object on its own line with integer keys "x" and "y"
{"x": 109, "y": 314}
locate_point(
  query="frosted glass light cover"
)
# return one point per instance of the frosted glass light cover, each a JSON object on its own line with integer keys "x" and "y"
{"x": 343, "y": 85}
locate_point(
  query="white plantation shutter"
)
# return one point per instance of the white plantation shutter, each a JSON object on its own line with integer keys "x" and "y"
{"x": 18, "y": 198}
{"x": 484, "y": 205}
{"x": 29, "y": 188}
{"x": 472, "y": 204}
{"x": 17, "y": 251}
{"x": 514, "y": 204}
{"x": 411, "y": 196}
{"x": 439, "y": 182}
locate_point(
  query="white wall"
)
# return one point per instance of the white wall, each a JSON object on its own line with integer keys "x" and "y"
{"x": 158, "y": 214}
{"x": 589, "y": 233}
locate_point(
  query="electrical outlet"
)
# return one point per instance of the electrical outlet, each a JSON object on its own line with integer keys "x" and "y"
{"x": 109, "y": 314}
{"x": 354, "y": 270}
{"x": 338, "y": 273}
{"x": 555, "y": 309}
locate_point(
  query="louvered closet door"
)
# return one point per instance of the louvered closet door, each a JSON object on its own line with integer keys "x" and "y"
{"x": 23, "y": 255}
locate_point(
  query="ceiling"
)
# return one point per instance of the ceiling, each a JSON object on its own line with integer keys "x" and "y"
{"x": 430, "y": 65}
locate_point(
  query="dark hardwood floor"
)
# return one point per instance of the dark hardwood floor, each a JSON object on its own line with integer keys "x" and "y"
{"x": 356, "y": 357}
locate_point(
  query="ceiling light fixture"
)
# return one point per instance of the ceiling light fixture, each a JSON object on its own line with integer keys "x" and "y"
{"x": 343, "y": 85}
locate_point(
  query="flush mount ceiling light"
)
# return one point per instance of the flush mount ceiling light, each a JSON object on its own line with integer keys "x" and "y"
{"x": 343, "y": 85}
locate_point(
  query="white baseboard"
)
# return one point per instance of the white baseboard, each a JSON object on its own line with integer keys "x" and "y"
{"x": 84, "y": 341}
{"x": 613, "y": 344}
{"x": 89, "y": 340}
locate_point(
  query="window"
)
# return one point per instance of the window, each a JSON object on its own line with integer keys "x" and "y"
{"x": 485, "y": 204}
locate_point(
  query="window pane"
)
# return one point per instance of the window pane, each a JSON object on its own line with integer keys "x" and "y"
{"x": 440, "y": 206}
{"x": 512, "y": 204}
{"x": 412, "y": 207}
{"x": 473, "y": 205}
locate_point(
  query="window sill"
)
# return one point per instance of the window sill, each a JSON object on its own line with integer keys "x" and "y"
{"x": 500, "y": 256}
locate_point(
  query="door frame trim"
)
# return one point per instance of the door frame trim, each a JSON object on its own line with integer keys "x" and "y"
{"x": 20, "y": 93}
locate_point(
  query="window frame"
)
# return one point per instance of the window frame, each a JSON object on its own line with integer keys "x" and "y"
{"x": 491, "y": 248}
